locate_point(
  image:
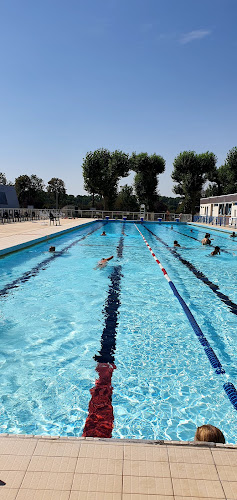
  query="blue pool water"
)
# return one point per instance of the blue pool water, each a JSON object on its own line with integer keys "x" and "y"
{"x": 53, "y": 315}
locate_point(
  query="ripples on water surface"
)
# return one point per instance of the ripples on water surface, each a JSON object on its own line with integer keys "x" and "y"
{"x": 51, "y": 323}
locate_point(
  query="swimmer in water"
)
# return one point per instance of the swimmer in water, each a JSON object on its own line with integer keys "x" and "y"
{"x": 206, "y": 240}
{"x": 51, "y": 249}
{"x": 176, "y": 244}
{"x": 103, "y": 262}
{"x": 103, "y": 234}
{"x": 216, "y": 251}
{"x": 233, "y": 235}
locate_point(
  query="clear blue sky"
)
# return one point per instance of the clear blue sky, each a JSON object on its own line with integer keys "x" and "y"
{"x": 136, "y": 75}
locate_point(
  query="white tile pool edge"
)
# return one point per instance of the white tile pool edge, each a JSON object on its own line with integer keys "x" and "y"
{"x": 158, "y": 442}
{"x": 26, "y": 244}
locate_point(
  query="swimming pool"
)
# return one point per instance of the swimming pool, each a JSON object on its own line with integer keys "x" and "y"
{"x": 58, "y": 313}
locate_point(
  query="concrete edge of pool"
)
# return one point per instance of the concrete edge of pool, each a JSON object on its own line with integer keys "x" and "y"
{"x": 119, "y": 441}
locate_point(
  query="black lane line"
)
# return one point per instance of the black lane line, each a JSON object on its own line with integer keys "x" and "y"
{"x": 215, "y": 288}
{"x": 108, "y": 337}
{"x": 42, "y": 265}
{"x": 188, "y": 236}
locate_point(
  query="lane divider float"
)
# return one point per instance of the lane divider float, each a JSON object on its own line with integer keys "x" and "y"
{"x": 229, "y": 388}
{"x": 99, "y": 422}
{"x": 199, "y": 274}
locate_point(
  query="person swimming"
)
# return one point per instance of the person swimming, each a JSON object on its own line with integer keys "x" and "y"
{"x": 233, "y": 235}
{"x": 176, "y": 244}
{"x": 206, "y": 240}
{"x": 103, "y": 234}
{"x": 103, "y": 262}
{"x": 51, "y": 249}
{"x": 216, "y": 251}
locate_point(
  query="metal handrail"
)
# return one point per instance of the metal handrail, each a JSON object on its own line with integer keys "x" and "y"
{"x": 25, "y": 214}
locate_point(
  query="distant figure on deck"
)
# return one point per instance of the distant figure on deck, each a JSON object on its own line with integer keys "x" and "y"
{"x": 209, "y": 433}
{"x": 233, "y": 235}
{"x": 103, "y": 234}
{"x": 216, "y": 251}
{"x": 51, "y": 249}
{"x": 176, "y": 244}
{"x": 103, "y": 262}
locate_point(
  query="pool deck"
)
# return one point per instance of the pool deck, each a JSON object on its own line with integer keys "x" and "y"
{"x": 23, "y": 233}
{"x": 229, "y": 229}
{"x": 67, "y": 468}
{"x": 41, "y": 468}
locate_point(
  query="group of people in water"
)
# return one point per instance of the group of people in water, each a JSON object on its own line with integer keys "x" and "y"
{"x": 207, "y": 241}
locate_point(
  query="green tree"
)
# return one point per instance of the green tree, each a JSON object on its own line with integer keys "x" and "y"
{"x": 102, "y": 171}
{"x": 57, "y": 191}
{"x": 190, "y": 173}
{"x": 3, "y": 179}
{"x": 126, "y": 200}
{"x": 227, "y": 173}
{"x": 147, "y": 169}
{"x": 30, "y": 190}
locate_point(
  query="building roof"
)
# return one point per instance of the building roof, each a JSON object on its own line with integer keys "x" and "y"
{"x": 225, "y": 198}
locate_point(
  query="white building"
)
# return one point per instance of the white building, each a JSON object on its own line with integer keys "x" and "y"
{"x": 215, "y": 206}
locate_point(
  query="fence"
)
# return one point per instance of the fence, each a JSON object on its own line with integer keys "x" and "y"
{"x": 23, "y": 214}
{"x": 220, "y": 220}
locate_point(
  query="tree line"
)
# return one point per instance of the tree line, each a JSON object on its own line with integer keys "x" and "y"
{"x": 194, "y": 175}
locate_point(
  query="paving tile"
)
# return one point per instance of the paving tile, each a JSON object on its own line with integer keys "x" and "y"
{"x": 146, "y": 468}
{"x": 224, "y": 457}
{"x": 96, "y": 450}
{"x": 57, "y": 448}
{"x": 101, "y": 483}
{"x": 26, "y": 494}
{"x": 194, "y": 498}
{"x": 194, "y": 471}
{"x": 227, "y": 472}
{"x": 13, "y": 479}
{"x": 11, "y": 462}
{"x": 197, "y": 488}
{"x": 147, "y": 485}
{"x": 148, "y": 453}
{"x": 92, "y": 495}
{"x": 99, "y": 466}
{"x": 17, "y": 446}
{"x": 230, "y": 489}
{"x": 52, "y": 464}
{"x": 48, "y": 481}
{"x": 7, "y": 493}
{"x": 137, "y": 496}
{"x": 190, "y": 455}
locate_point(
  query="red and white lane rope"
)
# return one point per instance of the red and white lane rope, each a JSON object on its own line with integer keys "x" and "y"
{"x": 154, "y": 257}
